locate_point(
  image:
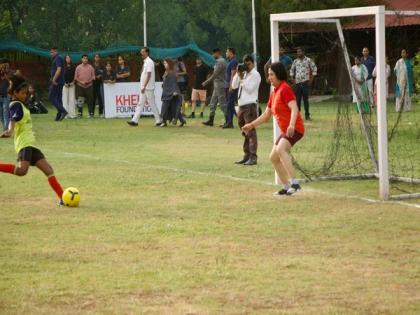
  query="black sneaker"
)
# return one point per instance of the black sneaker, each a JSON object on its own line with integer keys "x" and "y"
{"x": 62, "y": 116}
{"x": 201, "y": 115}
{"x": 192, "y": 115}
{"x": 281, "y": 192}
{"x": 251, "y": 162}
{"x": 294, "y": 189}
{"x": 132, "y": 123}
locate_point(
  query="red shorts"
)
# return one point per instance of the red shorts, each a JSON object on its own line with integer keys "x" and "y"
{"x": 296, "y": 137}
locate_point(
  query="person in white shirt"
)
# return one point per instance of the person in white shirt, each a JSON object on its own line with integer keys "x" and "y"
{"x": 247, "y": 80}
{"x": 147, "y": 92}
{"x": 360, "y": 93}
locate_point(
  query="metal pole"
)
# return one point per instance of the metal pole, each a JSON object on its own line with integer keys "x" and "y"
{"x": 275, "y": 58}
{"x": 254, "y": 31}
{"x": 144, "y": 24}
{"x": 382, "y": 123}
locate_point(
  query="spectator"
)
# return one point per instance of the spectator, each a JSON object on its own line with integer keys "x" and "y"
{"x": 182, "y": 80}
{"x": 404, "y": 86}
{"x": 55, "y": 91}
{"x": 98, "y": 88}
{"x": 35, "y": 105}
{"x": 84, "y": 76}
{"x": 248, "y": 81}
{"x": 302, "y": 72}
{"x": 387, "y": 74}
{"x": 69, "y": 89}
{"x": 283, "y": 58}
{"x": 171, "y": 96}
{"x": 4, "y": 97}
{"x": 123, "y": 71}
{"x": 109, "y": 74}
{"x": 369, "y": 63}
{"x": 147, "y": 89}
{"x": 219, "y": 95}
{"x": 360, "y": 91}
{"x": 199, "y": 93}
{"x": 231, "y": 94}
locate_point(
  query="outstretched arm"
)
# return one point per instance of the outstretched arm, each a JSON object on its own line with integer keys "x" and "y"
{"x": 7, "y": 133}
{"x": 260, "y": 120}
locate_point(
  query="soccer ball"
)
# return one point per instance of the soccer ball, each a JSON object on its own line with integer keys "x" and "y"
{"x": 71, "y": 197}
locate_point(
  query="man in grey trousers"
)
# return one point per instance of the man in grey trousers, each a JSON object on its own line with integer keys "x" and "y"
{"x": 219, "y": 95}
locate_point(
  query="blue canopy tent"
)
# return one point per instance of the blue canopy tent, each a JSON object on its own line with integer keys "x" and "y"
{"x": 155, "y": 53}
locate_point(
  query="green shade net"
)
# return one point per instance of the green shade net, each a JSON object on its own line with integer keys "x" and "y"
{"x": 155, "y": 53}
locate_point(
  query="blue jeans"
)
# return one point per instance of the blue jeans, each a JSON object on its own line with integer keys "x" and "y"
{"x": 302, "y": 91}
{"x": 4, "y": 111}
{"x": 231, "y": 98}
{"x": 55, "y": 95}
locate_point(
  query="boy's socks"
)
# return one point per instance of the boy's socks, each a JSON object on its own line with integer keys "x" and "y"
{"x": 55, "y": 185}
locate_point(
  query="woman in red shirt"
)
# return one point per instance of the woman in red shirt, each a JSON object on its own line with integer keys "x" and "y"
{"x": 282, "y": 105}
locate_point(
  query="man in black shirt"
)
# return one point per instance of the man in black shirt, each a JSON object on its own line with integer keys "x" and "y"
{"x": 98, "y": 89}
{"x": 199, "y": 93}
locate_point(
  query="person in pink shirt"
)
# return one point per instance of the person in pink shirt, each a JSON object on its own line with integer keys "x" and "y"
{"x": 84, "y": 76}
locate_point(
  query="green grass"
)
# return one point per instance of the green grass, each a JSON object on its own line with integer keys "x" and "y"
{"x": 169, "y": 225}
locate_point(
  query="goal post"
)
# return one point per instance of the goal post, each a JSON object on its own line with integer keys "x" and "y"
{"x": 320, "y": 16}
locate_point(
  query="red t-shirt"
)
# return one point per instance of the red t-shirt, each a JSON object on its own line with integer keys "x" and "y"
{"x": 279, "y": 98}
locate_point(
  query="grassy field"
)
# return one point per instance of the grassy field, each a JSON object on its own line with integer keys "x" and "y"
{"x": 169, "y": 225}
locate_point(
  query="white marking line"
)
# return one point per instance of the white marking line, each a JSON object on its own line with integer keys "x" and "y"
{"x": 230, "y": 177}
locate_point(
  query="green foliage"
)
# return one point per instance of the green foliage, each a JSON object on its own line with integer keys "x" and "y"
{"x": 91, "y": 25}
{"x": 417, "y": 75}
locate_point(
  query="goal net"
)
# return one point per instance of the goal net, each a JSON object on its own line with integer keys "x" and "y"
{"x": 358, "y": 129}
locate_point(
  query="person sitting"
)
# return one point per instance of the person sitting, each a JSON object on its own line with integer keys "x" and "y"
{"x": 34, "y": 103}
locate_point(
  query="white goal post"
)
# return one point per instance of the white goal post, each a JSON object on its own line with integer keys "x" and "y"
{"x": 379, "y": 13}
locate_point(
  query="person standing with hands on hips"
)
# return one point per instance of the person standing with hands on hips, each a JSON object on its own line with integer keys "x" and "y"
{"x": 247, "y": 80}
{"x": 282, "y": 105}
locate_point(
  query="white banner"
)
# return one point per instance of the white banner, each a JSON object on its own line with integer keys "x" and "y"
{"x": 121, "y": 99}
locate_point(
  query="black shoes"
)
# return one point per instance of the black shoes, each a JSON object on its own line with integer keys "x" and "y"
{"x": 227, "y": 126}
{"x": 182, "y": 123}
{"x": 251, "y": 162}
{"x": 192, "y": 115}
{"x": 208, "y": 123}
{"x": 247, "y": 161}
{"x": 201, "y": 115}
{"x": 132, "y": 123}
{"x": 60, "y": 116}
{"x": 294, "y": 188}
{"x": 242, "y": 161}
{"x": 281, "y": 192}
